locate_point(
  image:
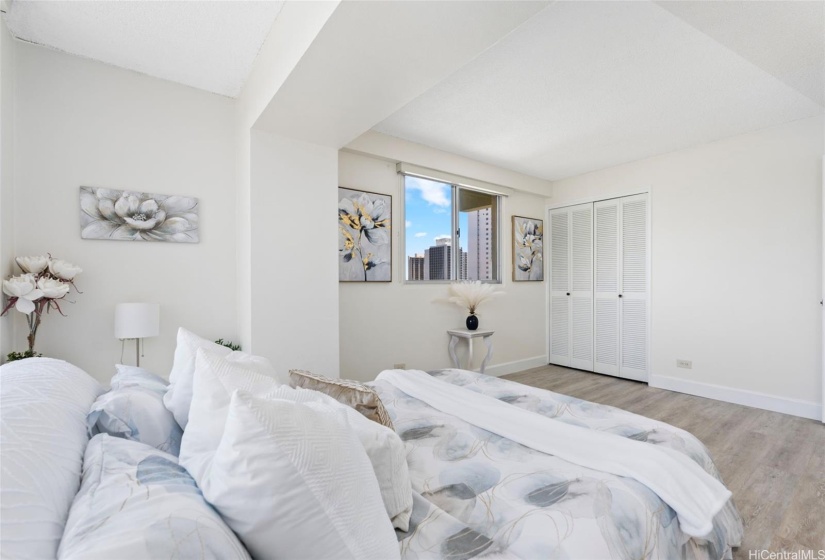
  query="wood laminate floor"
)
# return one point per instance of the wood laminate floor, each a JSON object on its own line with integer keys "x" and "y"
{"x": 773, "y": 463}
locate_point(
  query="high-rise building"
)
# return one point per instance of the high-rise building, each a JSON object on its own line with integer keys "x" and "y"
{"x": 415, "y": 267}
{"x": 479, "y": 241}
{"x": 437, "y": 261}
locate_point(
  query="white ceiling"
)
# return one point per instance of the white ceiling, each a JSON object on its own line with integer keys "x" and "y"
{"x": 587, "y": 85}
{"x": 206, "y": 45}
{"x": 372, "y": 58}
{"x": 578, "y": 87}
{"x": 786, "y": 39}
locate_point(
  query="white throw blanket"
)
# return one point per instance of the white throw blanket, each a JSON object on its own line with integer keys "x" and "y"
{"x": 694, "y": 495}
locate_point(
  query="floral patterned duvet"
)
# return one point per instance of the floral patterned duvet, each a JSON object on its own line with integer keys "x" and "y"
{"x": 478, "y": 495}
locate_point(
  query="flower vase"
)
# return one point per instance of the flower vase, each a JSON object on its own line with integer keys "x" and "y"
{"x": 472, "y": 322}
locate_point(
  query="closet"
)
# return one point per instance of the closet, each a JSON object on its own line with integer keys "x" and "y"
{"x": 599, "y": 287}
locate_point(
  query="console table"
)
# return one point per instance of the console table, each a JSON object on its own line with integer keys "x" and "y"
{"x": 458, "y": 334}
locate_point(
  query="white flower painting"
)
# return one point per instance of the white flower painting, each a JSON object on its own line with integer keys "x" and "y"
{"x": 137, "y": 216}
{"x": 364, "y": 239}
{"x": 528, "y": 249}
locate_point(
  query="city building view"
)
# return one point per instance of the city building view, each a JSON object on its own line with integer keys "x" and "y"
{"x": 479, "y": 239}
{"x": 429, "y": 245}
{"x": 476, "y": 261}
{"x": 415, "y": 267}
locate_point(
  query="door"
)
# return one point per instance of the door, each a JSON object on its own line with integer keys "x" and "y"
{"x": 571, "y": 286}
{"x": 621, "y": 290}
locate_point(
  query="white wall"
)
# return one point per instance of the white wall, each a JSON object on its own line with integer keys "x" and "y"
{"x": 391, "y": 148}
{"x": 736, "y": 257}
{"x": 7, "y": 87}
{"x": 80, "y": 122}
{"x": 383, "y": 324}
{"x": 294, "y": 295}
{"x": 291, "y": 34}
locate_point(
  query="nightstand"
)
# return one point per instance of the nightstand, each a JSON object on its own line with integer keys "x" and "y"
{"x": 458, "y": 334}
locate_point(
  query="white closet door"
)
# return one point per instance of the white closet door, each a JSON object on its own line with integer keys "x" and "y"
{"x": 571, "y": 286}
{"x": 634, "y": 289}
{"x": 581, "y": 280}
{"x": 607, "y": 286}
{"x": 560, "y": 287}
{"x": 621, "y": 291}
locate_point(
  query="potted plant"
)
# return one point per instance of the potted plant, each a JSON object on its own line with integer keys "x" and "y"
{"x": 470, "y": 295}
{"x": 44, "y": 282}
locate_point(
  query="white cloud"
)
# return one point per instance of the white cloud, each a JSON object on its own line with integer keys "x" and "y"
{"x": 437, "y": 194}
{"x": 421, "y": 234}
{"x": 408, "y": 224}
{"x": 439, "y": 210}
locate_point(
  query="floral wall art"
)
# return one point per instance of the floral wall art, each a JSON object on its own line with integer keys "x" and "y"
{"x": 528, "y": 249}
{"x": 137, "y": 216}
{"x": 364, "y": 238}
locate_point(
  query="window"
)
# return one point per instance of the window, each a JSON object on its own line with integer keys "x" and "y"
{"x": 440, "y": 216}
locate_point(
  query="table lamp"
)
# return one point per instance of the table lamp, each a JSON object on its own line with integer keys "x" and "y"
{"x": 137, "y": 321}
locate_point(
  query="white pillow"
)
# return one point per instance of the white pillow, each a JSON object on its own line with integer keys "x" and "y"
{"x": 43, "y": 406}
{"x": 136, "y": 502}
{"x": 215, "y": 381}
{"x": 178, "y": 397}
{"x": 137, "y": 413}
{"x": 131, "y": 376}
{"x": 292, "y": 481}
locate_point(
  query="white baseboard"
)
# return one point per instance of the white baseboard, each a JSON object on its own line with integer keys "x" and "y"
{"x": 507, "y": 368}
{"x": 794, "y": 407}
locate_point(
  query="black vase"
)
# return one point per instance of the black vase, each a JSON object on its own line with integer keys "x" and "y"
{"x": 472, "y": 322}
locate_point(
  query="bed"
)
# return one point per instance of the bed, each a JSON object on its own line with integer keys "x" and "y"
{"x": 475, "y": 493}
{"x": 478, "y": 493}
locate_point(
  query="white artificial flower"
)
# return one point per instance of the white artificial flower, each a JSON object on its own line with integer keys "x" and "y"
{"x": 471, "y": 294}
{"x": 25, "y": 289}
{"x": 34, "y": 265}
{"x": 52, "y": 288}
{"x": 64, "y": 270}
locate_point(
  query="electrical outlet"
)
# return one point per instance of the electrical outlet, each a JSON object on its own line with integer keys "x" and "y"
{"x": 686, "y": 364}
{"x": 399, "y": 366}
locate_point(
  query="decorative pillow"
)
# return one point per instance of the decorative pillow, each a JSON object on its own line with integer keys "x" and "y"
{"x": 137, "y": 502}
{"x": 178, "y": 398}
{"x": 362, "y": 398}
{"x": 216, "y": 379}
{"x": 305, "y": 488}
{"x": 43, "y": 408}
{"x": 135, "y": 412}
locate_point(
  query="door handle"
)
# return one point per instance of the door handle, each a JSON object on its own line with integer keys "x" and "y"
{"x": 620, "y": 295}
{"x": 568, "y": 293}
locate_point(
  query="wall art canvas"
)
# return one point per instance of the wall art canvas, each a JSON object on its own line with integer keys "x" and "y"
{"x": 137, "y": 216}
{"x": 528, "y": 249}
{"x": 364, "y": 236}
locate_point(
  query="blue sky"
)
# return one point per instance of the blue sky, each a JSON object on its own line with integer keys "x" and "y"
{"x": 428, "y": 213}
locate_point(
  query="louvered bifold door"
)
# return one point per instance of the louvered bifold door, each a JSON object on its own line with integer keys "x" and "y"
{"x": 560, "y": 331}
{"x": 581, "y": 283}
{"x": 634, "y": 289}
{"x": 620, "y": 322}
{"x": 607, "y": 286}
{"x": 571, "y": 286}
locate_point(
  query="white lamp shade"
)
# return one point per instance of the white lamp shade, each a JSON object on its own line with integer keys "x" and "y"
{"x": 137, "y": 320}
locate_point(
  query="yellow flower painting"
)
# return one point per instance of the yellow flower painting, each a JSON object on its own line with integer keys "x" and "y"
{"x": 364, "y": 240}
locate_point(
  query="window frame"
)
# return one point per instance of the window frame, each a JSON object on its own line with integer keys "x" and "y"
{"x": 455, "y": 189}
